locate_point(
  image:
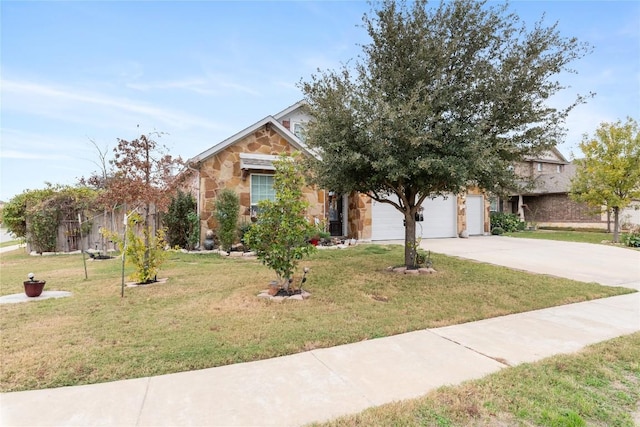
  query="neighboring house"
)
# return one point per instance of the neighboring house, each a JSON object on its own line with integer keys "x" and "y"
{"x": 244, "y": 163}
{"x": 545, "y": 200}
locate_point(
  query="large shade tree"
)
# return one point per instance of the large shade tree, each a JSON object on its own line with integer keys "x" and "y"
{"x": 608, "y": 177}
{"x": 441, "y": 98}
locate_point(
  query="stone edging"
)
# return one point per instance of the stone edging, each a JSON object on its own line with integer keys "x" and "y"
{"x": 297, "y": 297}
{"x": 404, "y": 270}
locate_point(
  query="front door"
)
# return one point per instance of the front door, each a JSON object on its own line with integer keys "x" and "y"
{"x": 335, "y": 214}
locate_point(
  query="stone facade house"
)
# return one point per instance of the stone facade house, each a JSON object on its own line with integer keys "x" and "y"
{"x": 244, "y": 163}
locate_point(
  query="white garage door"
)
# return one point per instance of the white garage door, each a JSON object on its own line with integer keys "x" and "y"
{"x": 475, "y": 215}
{"x": 439, "y": 220}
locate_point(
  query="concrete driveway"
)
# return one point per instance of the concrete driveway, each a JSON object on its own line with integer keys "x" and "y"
{"x": 585, "y": 262}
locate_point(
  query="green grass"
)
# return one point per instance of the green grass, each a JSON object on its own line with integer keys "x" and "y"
{"x": 10, "y": 243}
{"x": 207, "y": 313}
{"x": 567, "y": 236}
{"x": 599, "y": 386}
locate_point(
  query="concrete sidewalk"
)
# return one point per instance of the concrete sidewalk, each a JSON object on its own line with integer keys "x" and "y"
{"x": 322, "y": 384}
{"x": 10, "y": 248}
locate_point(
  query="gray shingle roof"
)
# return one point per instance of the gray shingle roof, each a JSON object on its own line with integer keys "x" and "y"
{"x": 558, "y": 182}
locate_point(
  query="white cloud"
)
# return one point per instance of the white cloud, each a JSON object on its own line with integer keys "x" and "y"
{"x": 21, "y": 144}
{"x": 62, "y": 103}
{"x": 196, "y": 85}
{"x": 30, "y": 155}
{"x": 225, "y": 82}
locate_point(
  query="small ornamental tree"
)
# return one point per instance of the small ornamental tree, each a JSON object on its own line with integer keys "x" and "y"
{"x": 227, "y": 211}
{"x": 146, "y": 253}
{"x": 609, "y": 174}
{"x": 280, "y": 235}
{"x": 143, "y": 175}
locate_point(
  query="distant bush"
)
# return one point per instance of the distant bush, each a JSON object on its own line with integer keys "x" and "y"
{"x": 632, "y": 238}
{"x": 497, "y": 231}
{"x": 508, "y": 222}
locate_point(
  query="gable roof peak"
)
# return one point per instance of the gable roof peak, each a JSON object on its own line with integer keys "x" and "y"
{"x": 290, "y": 109}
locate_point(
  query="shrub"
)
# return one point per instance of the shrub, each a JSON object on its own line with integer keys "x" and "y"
{"x": 227, "y": 211}
{"x": 632, "y": 238}
{"x": 35, "y": 215}
{"x": 242, "y": 230}
{"x": 193, "y": 239}
{"x": 182, "y": 222}
{"x": 508, "y": 222}
{"x": 497, "y": 231}
{"x": 43, "y": 230}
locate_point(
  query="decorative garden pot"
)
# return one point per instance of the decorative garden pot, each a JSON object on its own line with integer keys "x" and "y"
{"x": 208, "y": 241}
{"x": 33, "y": 288}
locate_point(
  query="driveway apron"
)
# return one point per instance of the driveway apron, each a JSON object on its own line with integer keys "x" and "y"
{"x": 584, "y": 262}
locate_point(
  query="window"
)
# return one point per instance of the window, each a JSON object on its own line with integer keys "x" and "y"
{"x": 261, "y": 189}
{"x": 559, "y": 168}
{"x": 539, "y": 166}
{"x": 494, "y": 204}
{"x": 299, "y": 131}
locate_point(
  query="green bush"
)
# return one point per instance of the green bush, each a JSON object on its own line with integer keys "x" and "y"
{"x": 508, "y": 222}
{"x": 242, "y": 230}
{"x": 497, "y": 231}
{"x": 632, "y": 238}
{"x": 35, "y": 215}
{"x": 43, "y": 230}
{"x": 227, "y": 211}
{"x": 182, "y": 222}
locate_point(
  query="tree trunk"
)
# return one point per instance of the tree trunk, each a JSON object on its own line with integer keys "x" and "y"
{"x": 103, "y": 239}
{"x": 616, "y": 224}
{"x": 608, "y": 220}
{"x": 410, "y": 240}
{"x": 147, "y": 236}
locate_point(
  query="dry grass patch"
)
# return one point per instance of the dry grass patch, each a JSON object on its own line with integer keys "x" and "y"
{"x": 599, "y": 386}
{"x": 207, "y": 313}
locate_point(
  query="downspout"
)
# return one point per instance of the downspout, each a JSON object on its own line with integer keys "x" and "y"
{"x": 324, "y": 208}
{"x": 197, "y": 171}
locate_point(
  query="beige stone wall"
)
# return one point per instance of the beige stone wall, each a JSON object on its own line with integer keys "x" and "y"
{"x": 223, "y": 171}
{"x": 462, "y": 209}
{"x": 359, "y": 216}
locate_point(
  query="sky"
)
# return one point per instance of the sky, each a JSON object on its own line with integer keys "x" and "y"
{"x": 73, "y": 72}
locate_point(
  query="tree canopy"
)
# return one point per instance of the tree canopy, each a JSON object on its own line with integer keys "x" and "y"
{"x": 143, "y": 172}
{"x": 609, "y": 175}
{"x": 441, "y": 98}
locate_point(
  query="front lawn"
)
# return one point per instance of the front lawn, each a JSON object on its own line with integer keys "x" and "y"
{"x": 10, "y": 243}
{"x": 567, "y": 236}
{"x": 207, "y": 314}
{"x": 599, "y": 386}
